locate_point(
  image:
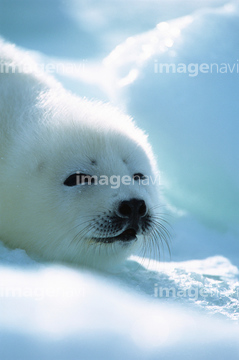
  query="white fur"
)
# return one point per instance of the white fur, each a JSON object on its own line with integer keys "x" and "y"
{"x": 46, "y": 134}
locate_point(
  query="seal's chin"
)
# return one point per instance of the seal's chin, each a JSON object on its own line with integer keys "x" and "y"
{"x": 126, "y": 237}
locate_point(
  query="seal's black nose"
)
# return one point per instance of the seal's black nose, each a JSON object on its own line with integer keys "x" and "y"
{"x": 132, "y": 209}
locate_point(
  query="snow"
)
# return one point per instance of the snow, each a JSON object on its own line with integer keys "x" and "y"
{"x": 186, "y": 305}
{"x": 50, "y": 311}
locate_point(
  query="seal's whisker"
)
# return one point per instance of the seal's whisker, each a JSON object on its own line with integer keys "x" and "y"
{"x": 101, "y": 228}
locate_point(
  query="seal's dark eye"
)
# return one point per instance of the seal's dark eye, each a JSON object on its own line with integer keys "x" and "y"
{"x": 79, "y": 179}
{"x": 139, "y": 176}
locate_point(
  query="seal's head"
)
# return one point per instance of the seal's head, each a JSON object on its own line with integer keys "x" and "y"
{"x": 78, "y": 179}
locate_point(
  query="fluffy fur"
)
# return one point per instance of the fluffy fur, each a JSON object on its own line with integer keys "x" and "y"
{"x": 47, "y": 134}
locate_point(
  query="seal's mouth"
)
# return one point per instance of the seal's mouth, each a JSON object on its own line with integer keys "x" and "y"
{"x": 126, "y": 236}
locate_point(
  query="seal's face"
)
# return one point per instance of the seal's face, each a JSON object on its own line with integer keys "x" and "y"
{"x": 114, "y": 190}
{"x": 102, "y": 195}
{"x": 117, "y": 192}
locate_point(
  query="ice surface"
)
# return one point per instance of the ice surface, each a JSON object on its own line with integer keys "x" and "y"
{"x": 55, "y": 311}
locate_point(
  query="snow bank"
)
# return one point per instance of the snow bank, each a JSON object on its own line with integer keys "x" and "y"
{"x": 80, "y": 29}
{"x": 56, "y": 312}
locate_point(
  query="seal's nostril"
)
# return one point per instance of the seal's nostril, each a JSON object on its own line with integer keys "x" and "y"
{"x": 125, "y": 209}
{"x": 142, "y": 209}
{"x": 132, "y": 208}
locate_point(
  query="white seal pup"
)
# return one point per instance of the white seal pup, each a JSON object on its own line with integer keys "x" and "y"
{"x": 78, "y": 180}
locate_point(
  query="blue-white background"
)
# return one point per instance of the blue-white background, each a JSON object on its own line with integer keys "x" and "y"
{"x": 192, "y": 122}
